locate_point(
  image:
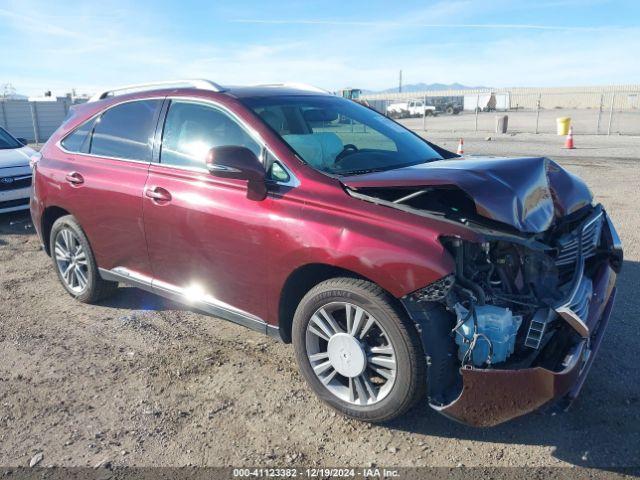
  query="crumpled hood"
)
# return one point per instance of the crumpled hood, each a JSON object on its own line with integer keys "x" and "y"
{"x": 527, "y": 193}
{"x": 15, "y": 157}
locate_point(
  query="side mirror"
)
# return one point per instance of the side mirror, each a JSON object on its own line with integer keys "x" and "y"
{"x": 23, "y": 141}
{"x": 239, "y": 163}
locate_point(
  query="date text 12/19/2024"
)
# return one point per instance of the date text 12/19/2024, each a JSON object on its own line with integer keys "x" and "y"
{"x": 370, "y": 472}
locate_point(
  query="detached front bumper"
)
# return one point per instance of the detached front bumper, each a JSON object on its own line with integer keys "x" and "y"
{"x": 492, "y": 396}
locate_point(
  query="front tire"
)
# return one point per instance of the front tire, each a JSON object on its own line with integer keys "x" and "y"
{"x": 358, "y": 351}
{"x": 75, "y": 264}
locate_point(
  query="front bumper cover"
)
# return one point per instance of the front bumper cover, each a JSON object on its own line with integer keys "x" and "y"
{"x": 491, "y": 396}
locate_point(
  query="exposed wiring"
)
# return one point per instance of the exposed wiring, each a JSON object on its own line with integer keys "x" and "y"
{"x": 465, "y": 319}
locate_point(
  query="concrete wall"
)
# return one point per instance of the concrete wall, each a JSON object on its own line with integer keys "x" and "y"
{"x": 35, "y": 121}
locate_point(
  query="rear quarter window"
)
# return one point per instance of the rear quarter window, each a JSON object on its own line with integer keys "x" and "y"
{"x": 78, "y": 140}
{"x": 126, "y": 131}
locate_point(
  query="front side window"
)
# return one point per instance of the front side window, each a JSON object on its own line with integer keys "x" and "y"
{"x": 339, "y": 136}
{"x": 192, "y": 129}
{"x": 7, "y": 141}
{"x": 126, "y": 131}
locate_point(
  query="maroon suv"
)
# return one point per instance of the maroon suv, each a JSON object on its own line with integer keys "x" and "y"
{"x": 395, "y": 267}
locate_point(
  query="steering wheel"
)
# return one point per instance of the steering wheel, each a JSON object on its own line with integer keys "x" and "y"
{"x": 348, "y": 149}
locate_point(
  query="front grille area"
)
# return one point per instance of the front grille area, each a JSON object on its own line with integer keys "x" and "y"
{"x": 580, "y": 302}
{"x": 14, "y": 203}
{"x": 568, "y": 243}
{"x": 14, "y": 183}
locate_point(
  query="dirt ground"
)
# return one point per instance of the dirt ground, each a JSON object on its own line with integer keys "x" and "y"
{"x": 140, "y": 381}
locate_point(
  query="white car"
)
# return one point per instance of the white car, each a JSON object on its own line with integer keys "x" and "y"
{"x": 15, "y": 173}
{"x": 412, "y": 108}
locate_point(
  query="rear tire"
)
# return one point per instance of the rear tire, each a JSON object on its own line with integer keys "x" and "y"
{"x": 75, "y": 264}
{"x": 370, "y": 365}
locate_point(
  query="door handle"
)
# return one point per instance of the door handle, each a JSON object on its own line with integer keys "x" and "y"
{"x": 74, "y": 178}
{"x": 158, "y": 194}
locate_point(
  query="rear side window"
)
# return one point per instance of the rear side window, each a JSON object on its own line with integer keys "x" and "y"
{"x": 78, "y": 141}
{"x": 192, "y": 129}
{"x": 126, "y": 131}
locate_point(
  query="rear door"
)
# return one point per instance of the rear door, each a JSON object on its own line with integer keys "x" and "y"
{"x": 103, "y": 169}
{"x": 205, "y": 237}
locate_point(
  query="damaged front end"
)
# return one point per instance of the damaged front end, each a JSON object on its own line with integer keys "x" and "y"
{"x": 518, "y": 323}
{"x": 517, "y": 327}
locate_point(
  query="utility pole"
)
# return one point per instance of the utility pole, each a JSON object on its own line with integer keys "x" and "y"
{"x": 400, "y": 83}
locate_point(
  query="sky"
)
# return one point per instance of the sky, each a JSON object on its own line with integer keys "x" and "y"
{"x": 60, "y": 45}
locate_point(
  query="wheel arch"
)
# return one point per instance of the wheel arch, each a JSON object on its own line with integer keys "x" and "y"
{"x": 49, "y": 216}
{"x": 303, "y": 279}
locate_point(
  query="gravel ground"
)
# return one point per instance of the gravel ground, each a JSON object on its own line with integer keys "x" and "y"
{"x": 140, "y": 381}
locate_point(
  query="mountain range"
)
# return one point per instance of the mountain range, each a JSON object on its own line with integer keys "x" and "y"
{"x": 421, "y": 87}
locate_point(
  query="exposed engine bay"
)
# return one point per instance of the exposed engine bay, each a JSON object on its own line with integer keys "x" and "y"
{"x": 499, "y": 288}
{"x": 515, "y": 301}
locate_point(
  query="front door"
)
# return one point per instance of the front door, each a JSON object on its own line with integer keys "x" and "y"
{"x": 205, "y": 237}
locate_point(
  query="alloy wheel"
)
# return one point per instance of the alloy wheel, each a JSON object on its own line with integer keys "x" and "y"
{"x": 351, "y": 353}
{"x": 71, "y": 260}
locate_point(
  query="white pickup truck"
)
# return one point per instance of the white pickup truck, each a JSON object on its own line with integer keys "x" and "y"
{"x": 412, "y": 108}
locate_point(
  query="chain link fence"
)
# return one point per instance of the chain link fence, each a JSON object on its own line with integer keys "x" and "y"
{"x": 605, "y": 111}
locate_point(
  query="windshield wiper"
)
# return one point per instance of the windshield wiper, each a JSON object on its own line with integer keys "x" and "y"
{"x": 361, "y": 171}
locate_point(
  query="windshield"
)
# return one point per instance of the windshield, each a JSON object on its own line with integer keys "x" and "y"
{"x": 340, "y": 137}
{"x": 7, "y": 141}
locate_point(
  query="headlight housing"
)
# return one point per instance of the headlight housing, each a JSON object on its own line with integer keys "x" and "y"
{"x": 435, "y": 291}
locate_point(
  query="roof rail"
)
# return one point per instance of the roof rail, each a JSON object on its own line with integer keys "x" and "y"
{"x": 296, "y": 85}
{"x": 197, "y": 83}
